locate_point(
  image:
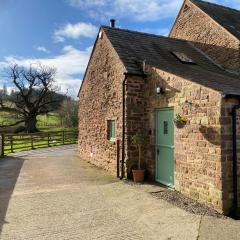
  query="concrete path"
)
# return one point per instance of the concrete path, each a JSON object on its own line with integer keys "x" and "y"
{"x": 52, "y": 194}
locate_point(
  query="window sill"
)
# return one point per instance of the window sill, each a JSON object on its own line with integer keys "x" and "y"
{"x": 112, "y": 140}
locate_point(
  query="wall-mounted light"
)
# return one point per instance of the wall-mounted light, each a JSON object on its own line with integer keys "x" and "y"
{"x": 158, "y": 90}
{"x": 162, "y": 90}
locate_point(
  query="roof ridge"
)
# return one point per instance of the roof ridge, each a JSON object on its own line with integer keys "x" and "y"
{"x": 215, "y": 4}
{"x": 143, "y": 33}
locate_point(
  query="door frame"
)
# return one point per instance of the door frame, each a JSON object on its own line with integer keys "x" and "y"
{"x": 155, "y": 149}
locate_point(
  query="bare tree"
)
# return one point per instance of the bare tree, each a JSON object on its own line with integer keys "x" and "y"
{"x": 68, "y": 113}
{"x": 34, "y": 95}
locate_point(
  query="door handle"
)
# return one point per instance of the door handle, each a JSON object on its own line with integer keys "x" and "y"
{"x": 157, "y": 151}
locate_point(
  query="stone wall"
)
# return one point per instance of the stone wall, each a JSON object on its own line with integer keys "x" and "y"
{"x": 198, "y": 170}
{"x": 101, "y": 100}
{"x": 135, "y": 120}
{"x": 197, "y": 27}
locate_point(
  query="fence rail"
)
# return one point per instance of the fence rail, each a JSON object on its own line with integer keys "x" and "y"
{"x": 20, "y": 142}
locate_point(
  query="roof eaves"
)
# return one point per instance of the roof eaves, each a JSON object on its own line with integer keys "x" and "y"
{"x": 232, "y": 96}
{"x": 135, "y": 74}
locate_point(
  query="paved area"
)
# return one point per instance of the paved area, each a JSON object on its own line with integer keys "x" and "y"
{"x": 52, "y": 194}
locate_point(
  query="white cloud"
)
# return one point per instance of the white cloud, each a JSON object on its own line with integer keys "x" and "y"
{"x": 42, "y": 49}
{"x": 71, "y": 63}
{"x": 148, "y": 10}
{"x": 84, "y": 3}
{"x": 139, "y": 10}
{"x": 75, "y": 31}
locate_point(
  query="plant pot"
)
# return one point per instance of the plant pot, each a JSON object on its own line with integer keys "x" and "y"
{"x": 138, "y": 175}
{"x": 179, "y": 124}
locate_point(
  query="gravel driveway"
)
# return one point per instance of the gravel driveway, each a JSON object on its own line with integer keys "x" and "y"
{"x": 52, "y": 194}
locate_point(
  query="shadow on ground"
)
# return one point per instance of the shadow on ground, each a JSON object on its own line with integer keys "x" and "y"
{"x": 10, "y": 168}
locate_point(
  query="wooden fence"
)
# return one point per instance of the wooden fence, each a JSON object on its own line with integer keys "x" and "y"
{"x": 21, "y": 142}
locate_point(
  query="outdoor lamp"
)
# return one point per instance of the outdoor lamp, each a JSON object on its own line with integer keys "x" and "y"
{"x": 162, "y": 90}
{"x": 158, "y": 90}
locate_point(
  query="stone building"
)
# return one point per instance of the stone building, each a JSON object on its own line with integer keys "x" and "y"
{"x": 138, "y": 82}
{"x": 212, "y": 28}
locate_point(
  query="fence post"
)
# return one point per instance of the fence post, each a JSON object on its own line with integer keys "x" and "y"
{"x": 118, "y": 157}
{"x": 48, "y": 139}
{"x": 1, "y": 145}
{"x": 32, "y": 141}
{"x": 11, "y": 143}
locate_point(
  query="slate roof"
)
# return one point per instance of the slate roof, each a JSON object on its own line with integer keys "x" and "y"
{"x": 134, "y": 47}
{"x": 227, "y": 17}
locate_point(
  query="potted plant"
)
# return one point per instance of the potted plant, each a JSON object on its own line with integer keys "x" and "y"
{"x": 180, "y": 121}
{"x": 138, "y": 174}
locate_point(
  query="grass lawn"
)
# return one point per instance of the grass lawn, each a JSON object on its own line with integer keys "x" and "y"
{"x": 7, "y": 118}
{"x": 48, "y": 120}
{"x": 56, "y": 129}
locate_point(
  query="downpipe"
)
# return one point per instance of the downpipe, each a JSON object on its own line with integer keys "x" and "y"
{"x": 123, "y": 125}
{"x": 234, "y": 212}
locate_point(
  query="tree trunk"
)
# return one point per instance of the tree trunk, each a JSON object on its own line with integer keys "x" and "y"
{"x": 30, "y": 124}
{"x": 139, "y": 157}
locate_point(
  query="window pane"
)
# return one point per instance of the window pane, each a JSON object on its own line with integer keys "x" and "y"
{"x": 184, "y": 58}
{"x": 165, "y": 127}
{"x": 111, "y": 129}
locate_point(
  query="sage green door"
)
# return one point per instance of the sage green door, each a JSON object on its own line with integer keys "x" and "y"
{"x": 165, "y": 146}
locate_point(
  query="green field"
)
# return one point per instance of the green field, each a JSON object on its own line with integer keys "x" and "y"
{"x": 47, "y": 120}
{"x": 7, "y": 118}
{"x": 46, "y": 123}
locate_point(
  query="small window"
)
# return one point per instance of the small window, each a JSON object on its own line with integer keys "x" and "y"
{"x": 111, "y": 125}
{"x": 182, "y": 57}
{"x": 165, "y": 127}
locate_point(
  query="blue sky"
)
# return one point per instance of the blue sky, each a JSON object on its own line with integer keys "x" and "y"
{"x": 61, "y": 33}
